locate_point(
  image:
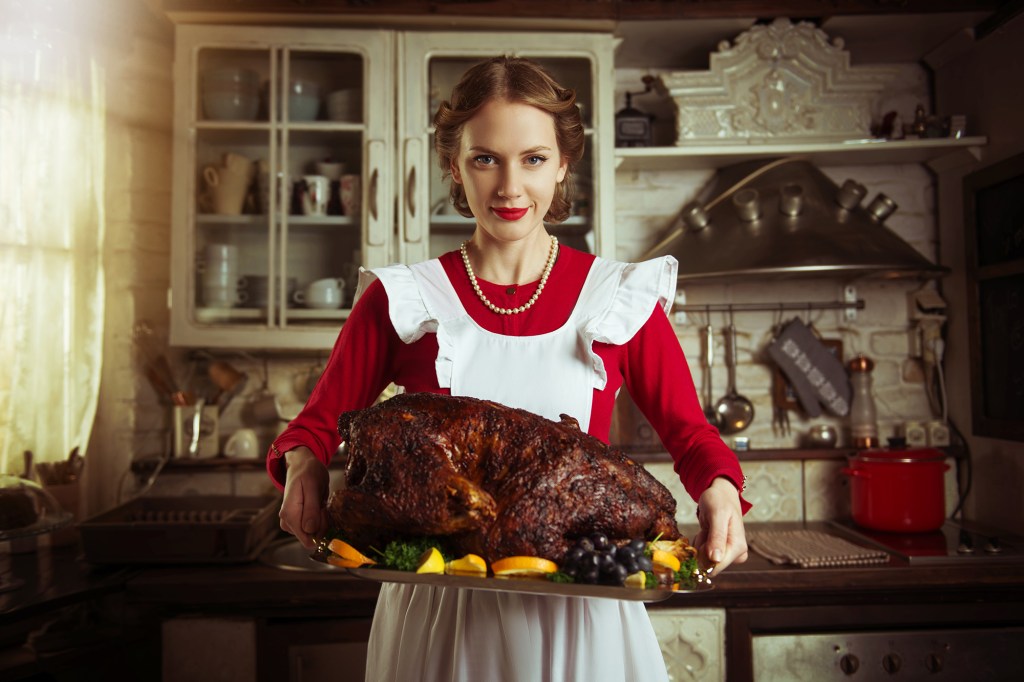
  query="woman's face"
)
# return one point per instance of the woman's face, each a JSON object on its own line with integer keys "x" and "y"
{"x": 508, "y": 165}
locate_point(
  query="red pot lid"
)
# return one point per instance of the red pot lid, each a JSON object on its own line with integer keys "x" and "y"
{"x": 905, "y": 455}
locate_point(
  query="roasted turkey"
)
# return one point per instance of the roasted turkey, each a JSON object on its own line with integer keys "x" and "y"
{"x": 492, "y": 480}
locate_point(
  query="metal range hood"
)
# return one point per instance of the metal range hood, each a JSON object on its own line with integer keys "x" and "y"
{"x": 785, "y": 219}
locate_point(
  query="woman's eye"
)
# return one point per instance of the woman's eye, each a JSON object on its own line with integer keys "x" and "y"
{"x": 535, "y": 160}
{"x": 484, "y": 159}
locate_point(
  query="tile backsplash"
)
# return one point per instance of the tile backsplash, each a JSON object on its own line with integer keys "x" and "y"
{"x": 788, "y": 490}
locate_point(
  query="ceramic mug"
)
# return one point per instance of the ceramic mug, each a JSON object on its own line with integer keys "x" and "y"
{"x": 325, "y": 294}
{"x": 315, "y": 193}
{"x": 351, "y": 195}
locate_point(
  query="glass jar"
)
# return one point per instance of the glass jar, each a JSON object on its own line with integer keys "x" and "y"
{"x": 863, "y": 415}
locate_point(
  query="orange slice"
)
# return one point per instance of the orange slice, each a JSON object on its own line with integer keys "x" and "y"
{"x": 346, "y": 556}
{"x": 523, "y": 567}
{"x": 662, "y": 558}
{"x": 471, "y": 565}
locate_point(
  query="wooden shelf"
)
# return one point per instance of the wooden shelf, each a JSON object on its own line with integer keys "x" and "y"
{"x": 446, "y": 224}
{"x": 939, "y": 152}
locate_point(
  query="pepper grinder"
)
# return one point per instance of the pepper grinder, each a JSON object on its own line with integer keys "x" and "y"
{"x": 863, "y": 416}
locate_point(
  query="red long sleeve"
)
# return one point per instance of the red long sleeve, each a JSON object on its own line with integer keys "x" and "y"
{"x": 368, "y": 355}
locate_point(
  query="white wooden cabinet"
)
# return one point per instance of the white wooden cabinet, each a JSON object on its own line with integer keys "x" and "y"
{"x": 397, "y": 79}
{"x": 431, "y": 63}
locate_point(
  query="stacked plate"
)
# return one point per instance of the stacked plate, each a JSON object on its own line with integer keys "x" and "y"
{"x": 230, "y": 94}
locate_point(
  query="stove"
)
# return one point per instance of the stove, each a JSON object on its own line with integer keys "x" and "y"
{"x": 954, "y": 542}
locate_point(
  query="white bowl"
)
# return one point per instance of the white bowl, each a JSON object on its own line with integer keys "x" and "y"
{"x": 231, "y": 77}
{"x": 230, "y": 106}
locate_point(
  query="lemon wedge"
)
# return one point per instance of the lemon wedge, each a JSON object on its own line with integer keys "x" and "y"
{"x": 638, "y": 579}
{"x": 431, "y": 561}
{"x": 523, "y": 567}
{"x": 471, "y": 565}
{"x": 662, "y": 558}
{"x": 346, "y": 556}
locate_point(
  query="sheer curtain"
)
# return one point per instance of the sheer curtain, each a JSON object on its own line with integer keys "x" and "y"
{"x": 52, "y": 123}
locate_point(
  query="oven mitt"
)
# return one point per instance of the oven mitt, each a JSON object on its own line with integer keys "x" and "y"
{"x": 817, "y": 376}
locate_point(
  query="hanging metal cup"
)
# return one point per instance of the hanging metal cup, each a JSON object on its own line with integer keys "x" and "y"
{"x": 748, "y": 206}
{"x": 851, "y": 194}
{"x": 695, "y": 217}
{"x": 881, "y": 207}
{"x": 791, "y": 199}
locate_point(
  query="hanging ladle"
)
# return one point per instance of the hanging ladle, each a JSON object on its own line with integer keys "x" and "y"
{"x": 709, "y": 358}
{"x": 735, "y": 412}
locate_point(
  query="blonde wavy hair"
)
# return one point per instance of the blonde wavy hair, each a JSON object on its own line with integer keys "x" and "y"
{"x": 512, "y": 79}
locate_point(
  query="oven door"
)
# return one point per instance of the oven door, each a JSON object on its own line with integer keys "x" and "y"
{"x": 953, "y": 654}
{"x": 907, "y": 636}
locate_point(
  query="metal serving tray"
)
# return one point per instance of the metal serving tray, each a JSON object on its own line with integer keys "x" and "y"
{"x": 199, "y": 529}
{"x": 520, "y": 585}
{"x": 289, "y": 555}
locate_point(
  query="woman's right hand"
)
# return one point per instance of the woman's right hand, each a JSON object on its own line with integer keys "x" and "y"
{"x": 306, "y": 485}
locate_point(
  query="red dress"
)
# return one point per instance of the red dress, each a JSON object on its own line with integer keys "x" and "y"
{"x": 369, "y": 355}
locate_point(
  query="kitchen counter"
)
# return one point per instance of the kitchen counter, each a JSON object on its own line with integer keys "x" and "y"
{"x": 758, "y": 596}
{"x": 257, "y": 587}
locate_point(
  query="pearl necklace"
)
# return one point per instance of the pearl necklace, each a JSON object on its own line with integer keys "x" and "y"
{"x": 552, "y": 255}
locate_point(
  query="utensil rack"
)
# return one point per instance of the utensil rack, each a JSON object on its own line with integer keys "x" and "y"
{"x": 768, "y": 307}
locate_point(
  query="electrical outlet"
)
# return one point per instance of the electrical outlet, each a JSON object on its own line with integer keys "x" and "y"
{"x": 916, "y": 434}
{"x": 938, "y": 434}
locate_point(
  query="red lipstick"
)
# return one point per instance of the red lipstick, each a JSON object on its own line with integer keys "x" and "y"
{"x": 510, "y": 214}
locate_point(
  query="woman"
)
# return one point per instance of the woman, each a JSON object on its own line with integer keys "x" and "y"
{"x": 514, "y": 317}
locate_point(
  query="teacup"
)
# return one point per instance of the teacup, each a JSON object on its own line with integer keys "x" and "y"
{"x": 242, "y": 443}
{"x": 324, "y": 294}
{"x": 259, "y": 289}
{"x": 223, "y": 297}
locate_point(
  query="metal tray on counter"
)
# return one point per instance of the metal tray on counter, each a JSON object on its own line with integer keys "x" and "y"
{"x": 192, "y": 529}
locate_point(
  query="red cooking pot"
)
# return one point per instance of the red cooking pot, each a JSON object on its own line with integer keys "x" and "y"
{"x": 898, "y": 490}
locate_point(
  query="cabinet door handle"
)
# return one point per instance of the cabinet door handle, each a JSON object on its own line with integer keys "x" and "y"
{"x": 373, "y": 193}
{"x": 411, "y": 226}
{"x": 375, "y": 230}
{"x": 410, "y": 192}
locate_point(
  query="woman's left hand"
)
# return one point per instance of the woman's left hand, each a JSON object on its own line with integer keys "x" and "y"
{"x": 721, "y": 540}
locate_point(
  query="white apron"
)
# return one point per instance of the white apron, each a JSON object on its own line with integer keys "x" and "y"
{"x": 443, "y": 634}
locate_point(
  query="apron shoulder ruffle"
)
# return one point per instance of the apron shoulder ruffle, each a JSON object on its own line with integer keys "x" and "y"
{"x": 629, "y": 292}
{"x": 408, "y": 312}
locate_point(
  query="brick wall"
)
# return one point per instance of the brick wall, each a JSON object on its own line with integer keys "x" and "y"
{"x": 130, "y": 418}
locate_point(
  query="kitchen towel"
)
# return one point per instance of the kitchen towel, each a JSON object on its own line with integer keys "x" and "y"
{"x": 812, "y": 549}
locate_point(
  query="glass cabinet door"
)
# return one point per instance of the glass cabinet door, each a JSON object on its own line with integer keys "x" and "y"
{"x": 320, "y": 164}
{"x": 433, "y": 64}
{"x": 278, "y": 185}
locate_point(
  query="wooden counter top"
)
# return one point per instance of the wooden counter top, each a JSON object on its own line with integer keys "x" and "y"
{"x": 258, "y": 588}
